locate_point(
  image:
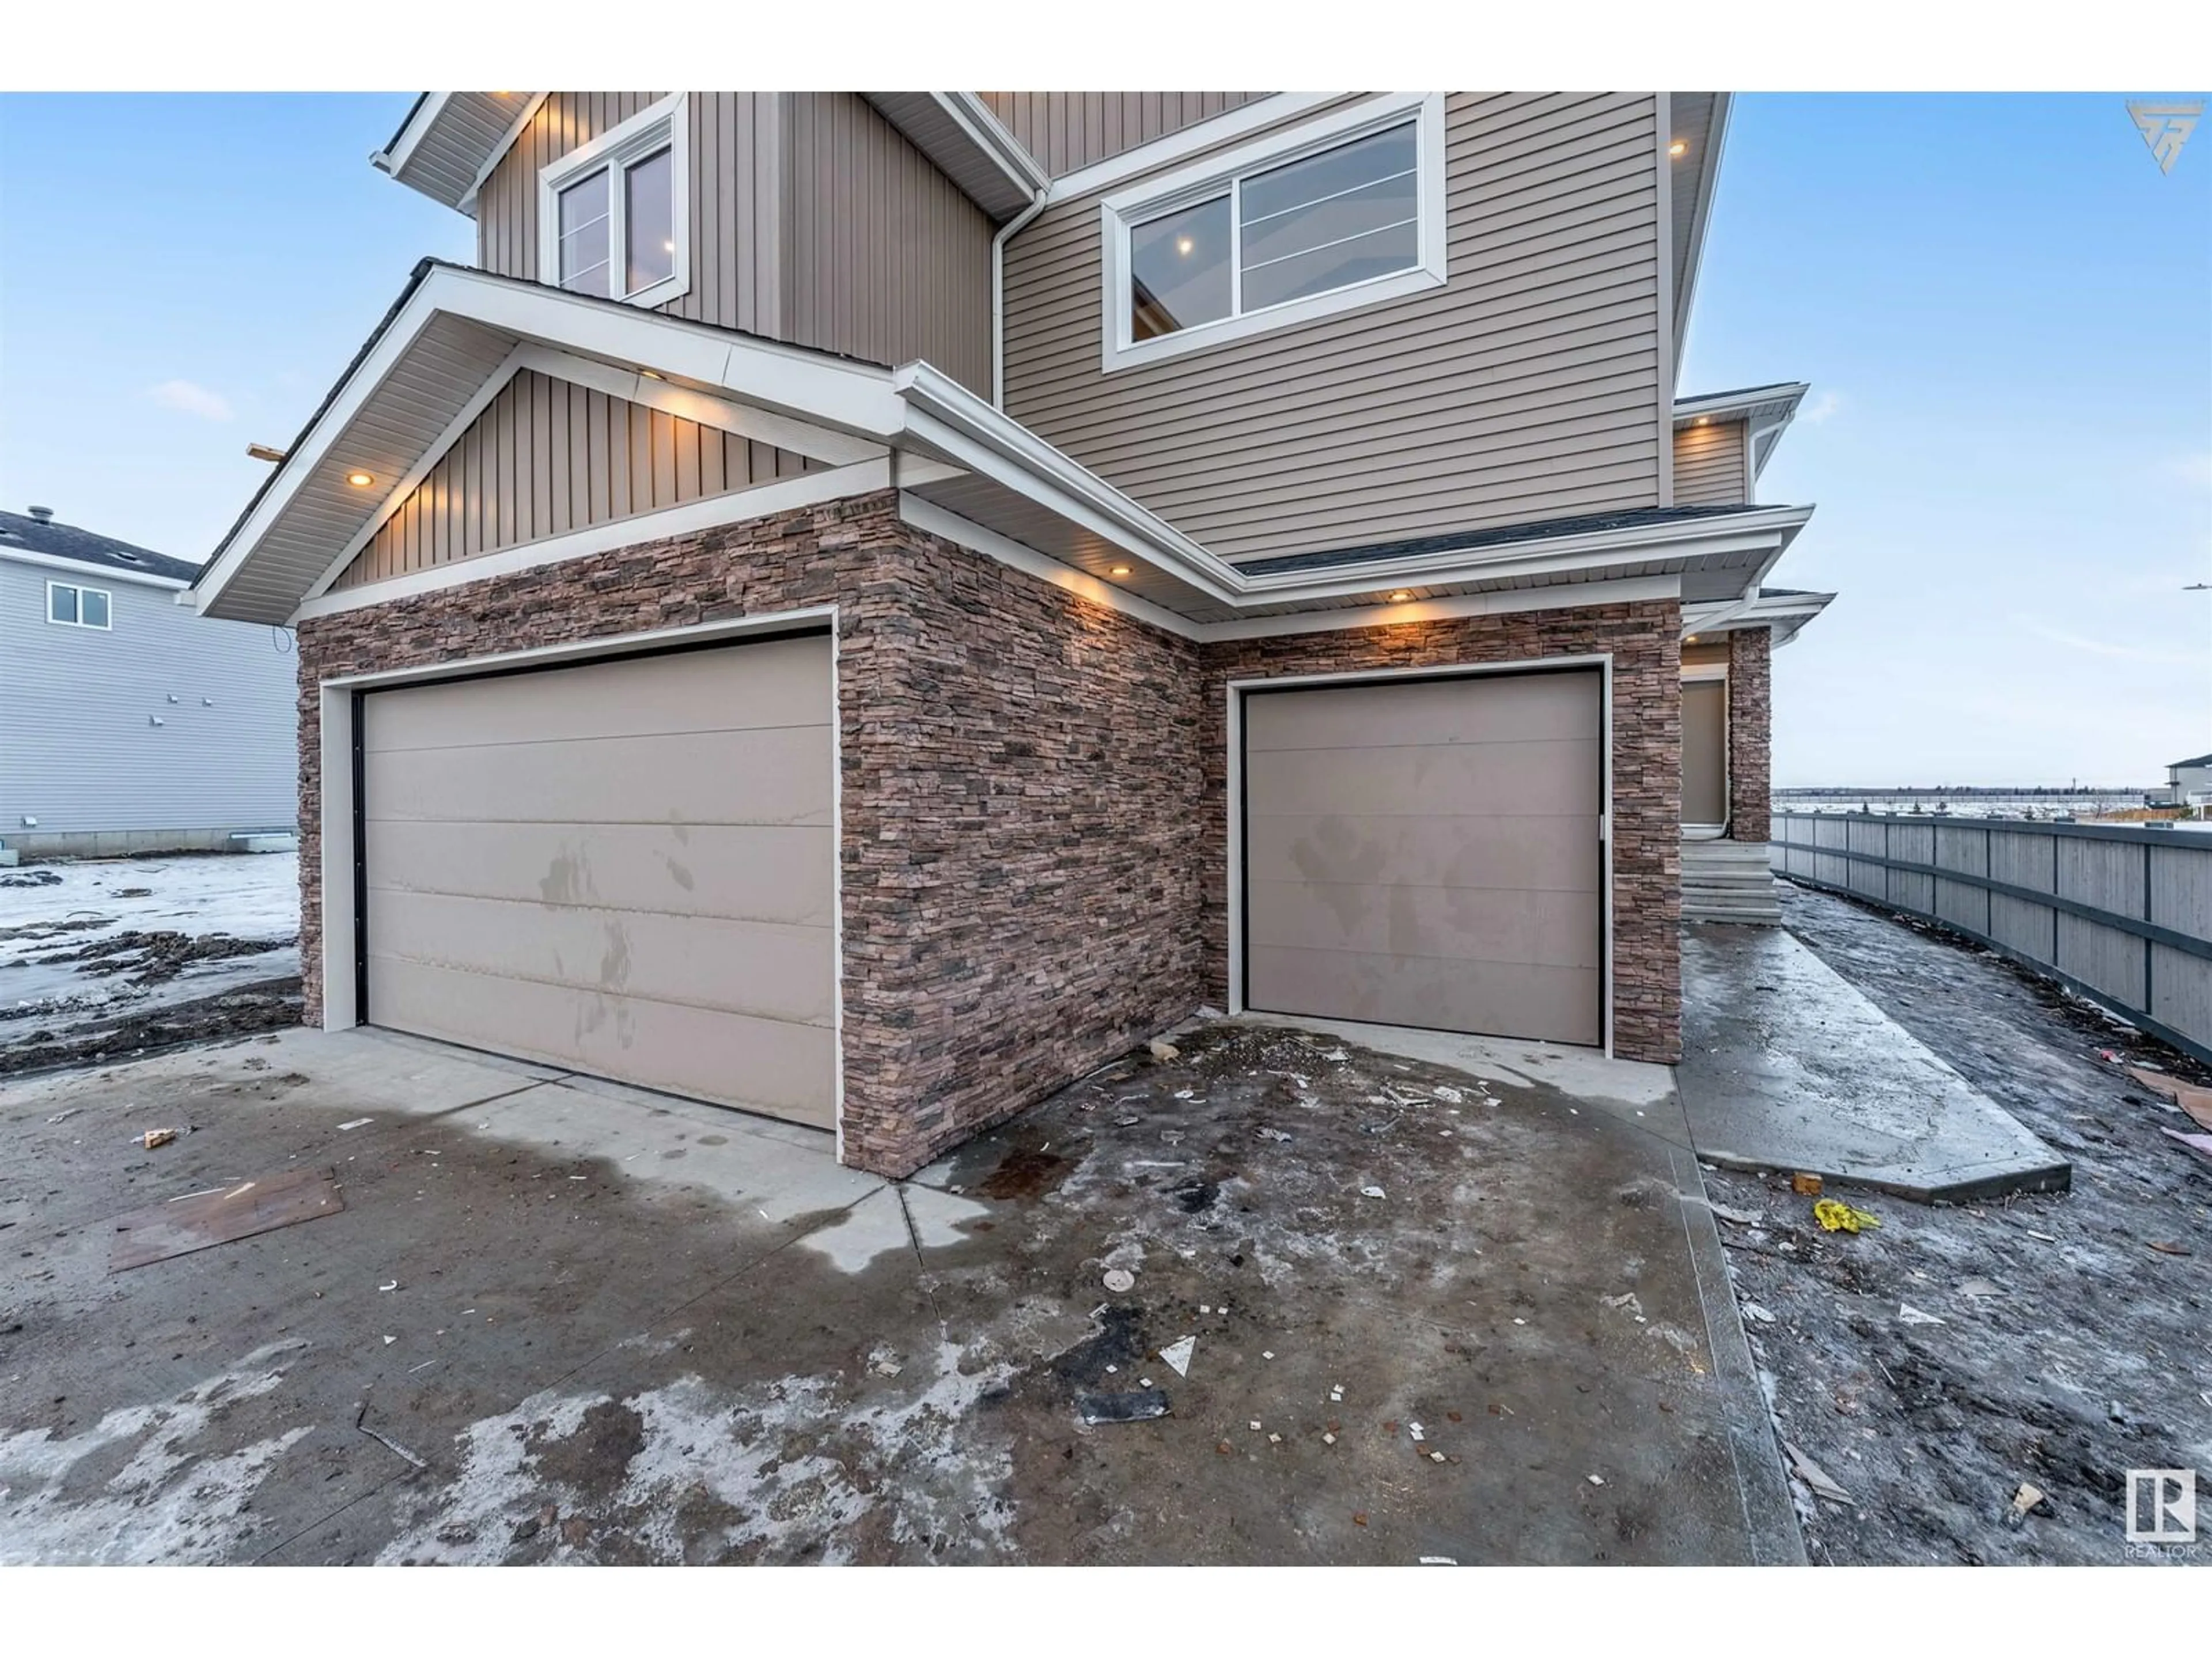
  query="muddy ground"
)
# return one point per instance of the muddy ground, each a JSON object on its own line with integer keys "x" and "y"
{"x": 110, "y": 959}
{"x": 2070, "y": 1348}
{"x": 1430, "y": 1318}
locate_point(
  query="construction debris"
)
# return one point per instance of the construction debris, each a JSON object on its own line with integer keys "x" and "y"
{"x": 1119, "y": 1280}
{"x": 263, "y": 1205}
{"x": 1805, "y": 1185}
{"x": 1138, "y": 1406}
{"x": 2196, "y": 1102}
{"x": 154, "y": 1137}
{"x": 1371, "y": 1192}
{"x": 1909, "y": 1315}
{"x": 1814, "y": 1476}
{"x": 1164, "y": 1051}
{"x": 2200, "y": 1144}
{"x": 1177, "y": 1354}
{"x": 2028, "y": 1499}
{"x": 1838, "y": 1216}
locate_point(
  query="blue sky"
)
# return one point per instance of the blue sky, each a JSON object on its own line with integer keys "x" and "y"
{"x": 2004, "y": 307}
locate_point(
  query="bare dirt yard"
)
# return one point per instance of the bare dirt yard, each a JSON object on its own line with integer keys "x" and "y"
{"x": 109, "y": 958}
{"x": 1933, "y": 1366}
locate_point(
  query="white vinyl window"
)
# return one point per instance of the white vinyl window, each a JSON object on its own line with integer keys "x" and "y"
{"x": 613, "y": 215}
{"x": 1345, "y": 211}
{"x": 72, "y": 607}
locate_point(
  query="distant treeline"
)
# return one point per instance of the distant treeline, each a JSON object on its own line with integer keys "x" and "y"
{"x": 1916, "y": 792}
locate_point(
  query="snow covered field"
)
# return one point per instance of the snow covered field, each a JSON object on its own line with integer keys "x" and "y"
{"x": 46, "y": 910}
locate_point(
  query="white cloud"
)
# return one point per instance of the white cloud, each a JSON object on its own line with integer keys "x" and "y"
{"x": 186, "y": 398}
{"x": 2193, "y": 469}
{"x": 2120, "y": 651}
{"x": 1819, "y": 406}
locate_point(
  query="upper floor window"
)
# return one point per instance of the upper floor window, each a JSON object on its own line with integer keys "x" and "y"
{"x": 1343, "y": 212}
{"x": 77, "y": 607}
{"x": 614, "y": 216}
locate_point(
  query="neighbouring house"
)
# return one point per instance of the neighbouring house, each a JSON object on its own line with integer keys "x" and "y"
{"x": 126, "y": 723}
{"x": 2189, "y": 783}
{"x": 860, "y": 606}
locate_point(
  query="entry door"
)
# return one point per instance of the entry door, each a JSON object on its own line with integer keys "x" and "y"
{"x": 1704, "y": 753}
{"x": 1427, "y": 853}
{"x": 626, "y": 868}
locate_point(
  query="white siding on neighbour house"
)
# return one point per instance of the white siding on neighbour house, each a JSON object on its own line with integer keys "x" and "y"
{"x": 78, "y": 749}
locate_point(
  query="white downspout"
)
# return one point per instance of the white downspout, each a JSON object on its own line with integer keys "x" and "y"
{"x": 999, "y": 294}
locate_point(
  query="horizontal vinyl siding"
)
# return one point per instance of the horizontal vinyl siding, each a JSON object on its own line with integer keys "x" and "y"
{"x": 737, "y": 274}
{"x": 1065, "y": 130}
{"x": 78, "y": 748}
{"x": 1528, "y": 386}
{"x": 547, "y": 457}
{"x": 890, "y": 261}
{"x": 1708, "y": 466}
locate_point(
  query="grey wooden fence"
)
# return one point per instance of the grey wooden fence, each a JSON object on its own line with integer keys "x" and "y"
{"x": 2121, "y": 915}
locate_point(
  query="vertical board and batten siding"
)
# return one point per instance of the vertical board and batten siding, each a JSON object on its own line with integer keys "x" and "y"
{"x": 547, "y": 457}
{"x": 1065, "y": 130}
{"x": 812, "y": 221}
{"x": 1708, "y": 466}
{"x": 79, "y": 750}
{"x": 738, "y": 275}
{"x": 2120, "y": 914}
{"x": 890, "y": 261}
{"x": 1529, "y": 386}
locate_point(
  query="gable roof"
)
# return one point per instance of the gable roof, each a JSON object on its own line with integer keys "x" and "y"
{"x": 21, "y": 533}
{"x": 1767, "y": 410}
{"x": 960, "y": 465}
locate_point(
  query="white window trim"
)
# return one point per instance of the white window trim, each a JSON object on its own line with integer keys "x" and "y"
{"x": 667, "y": 121}
{"x": 1120, "y": 211}
{"x": 81, "y": 590}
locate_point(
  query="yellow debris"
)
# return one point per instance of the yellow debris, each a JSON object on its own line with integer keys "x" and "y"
{"x": 1840, "y": 1217}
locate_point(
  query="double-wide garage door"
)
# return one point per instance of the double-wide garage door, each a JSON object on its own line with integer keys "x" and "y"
{"x": 621, "y": 867}
{"x": 1427, "y": 853}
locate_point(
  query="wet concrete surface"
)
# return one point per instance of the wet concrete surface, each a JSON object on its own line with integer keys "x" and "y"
{"x": 560, "y": 1321}
{"x": 1788, "y": 1065}
{"x": 1935, "y": 1365}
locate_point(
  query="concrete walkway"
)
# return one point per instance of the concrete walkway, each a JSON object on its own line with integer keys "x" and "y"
{"x": 1786, "y": 1065}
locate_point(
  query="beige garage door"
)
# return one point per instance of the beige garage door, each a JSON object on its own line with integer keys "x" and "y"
{"x": 621, "y": 867}
{"x": 1426, "y": 853}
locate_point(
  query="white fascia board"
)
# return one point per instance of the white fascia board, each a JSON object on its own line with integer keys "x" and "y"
{"x": 80, "y": 567}
{"x": 1561, "y": 596}
{"x": 1769, "y": 531}
{"x": 468, "y": 203}
{"x": 633, "y": 386}
{"x": 1716, "y": 139}
{"x": 1781, "y": 398}
{"x": 495, "y": 383}
{"x": 419, "y": 123}
{"x": 946, "y": 414}
{"x": 988, "y": 134}
{"x": 857, "y": 399}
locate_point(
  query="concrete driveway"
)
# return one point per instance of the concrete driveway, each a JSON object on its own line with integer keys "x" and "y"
{"x": 1464, "y": 1305}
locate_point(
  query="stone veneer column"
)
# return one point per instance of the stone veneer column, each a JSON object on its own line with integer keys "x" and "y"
{"x": 1751, "y": 696}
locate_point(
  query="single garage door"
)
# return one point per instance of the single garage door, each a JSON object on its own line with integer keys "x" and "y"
{"x": 621, "y": 867}
{"x": 1427, "y": 853}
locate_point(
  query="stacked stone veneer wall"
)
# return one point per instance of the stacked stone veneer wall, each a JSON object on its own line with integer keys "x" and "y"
{"x": 1033, "y": 814}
